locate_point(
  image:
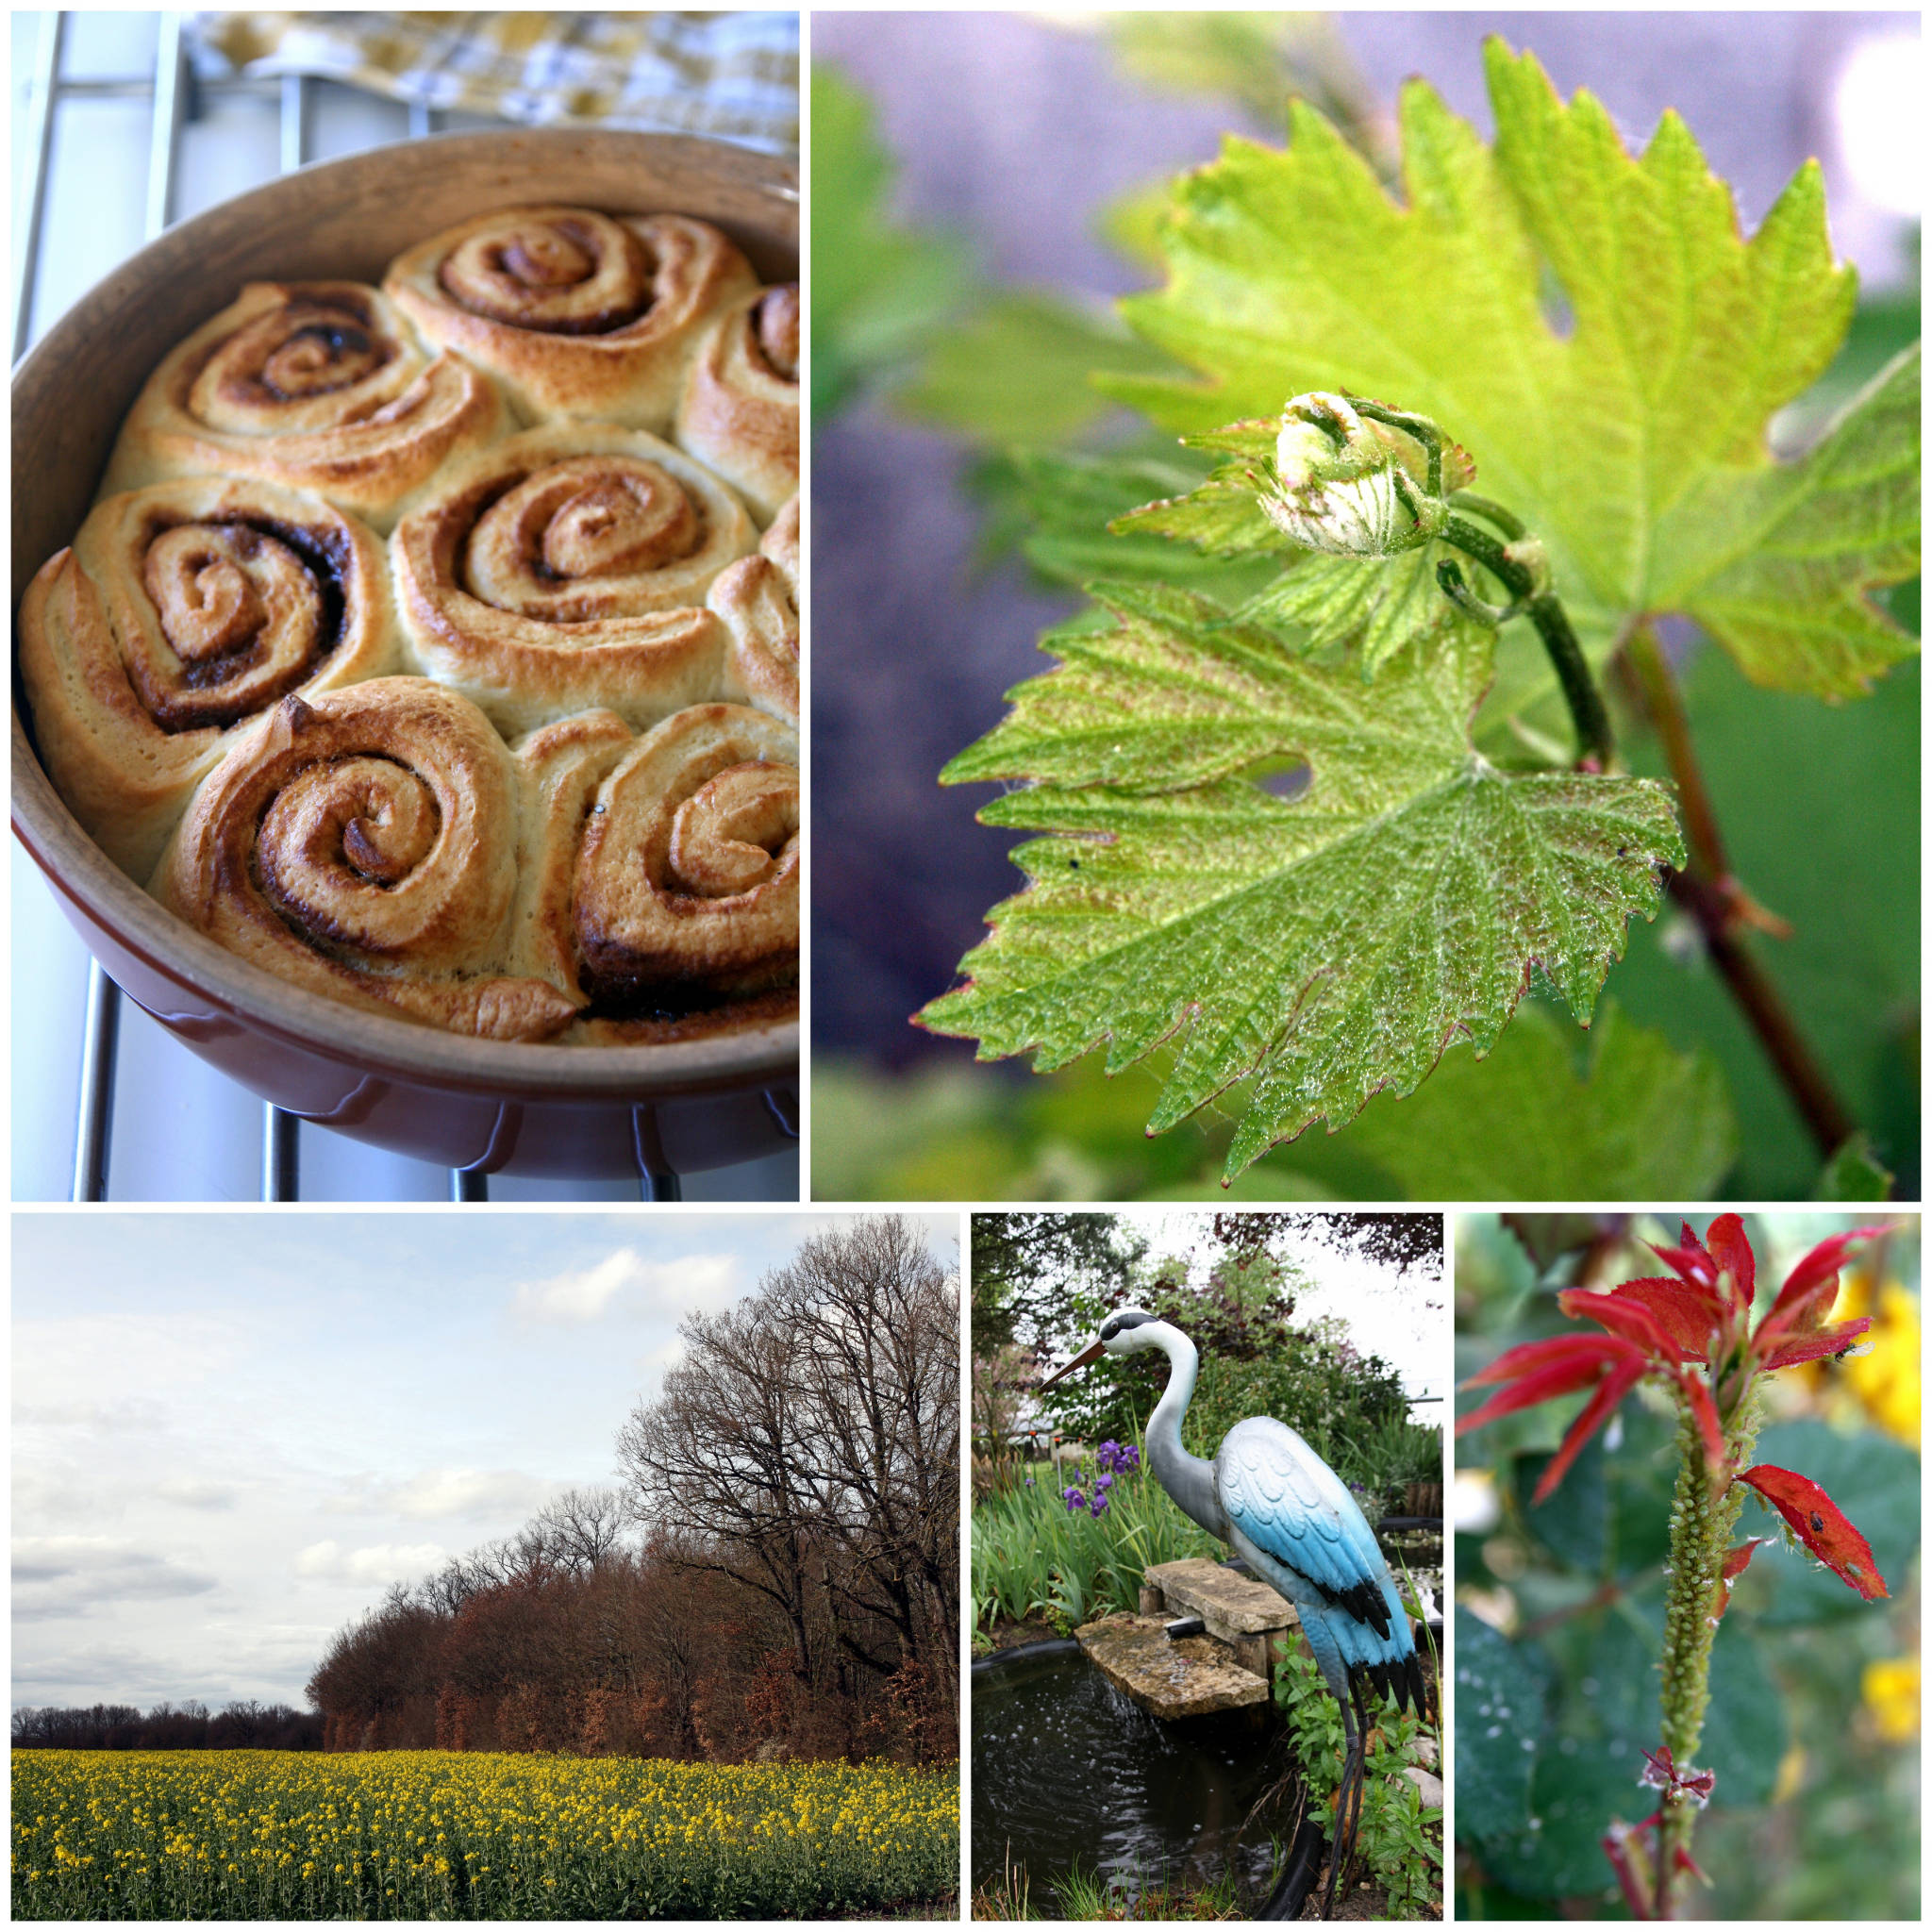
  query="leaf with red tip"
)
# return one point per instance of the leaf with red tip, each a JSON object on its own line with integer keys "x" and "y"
{"x": 1631, "y": 1319}
{"x": 1612, "y": 1389}
{"x": 1822, "y": 1262}
{"x": 1819, "y": 1341}
{"x": 1734, "y": 1568}
{"x": 1687, "y": 1863}
{"x": 1821, "y": 1525}
{"x": 1732, "y": 1253}
{"x": 1804, "y": 1301}
{"x": 1689, "y": 1258}
{"x": 1688, "y": 1315}
{"x": 1526, "y": 1355}
{"x": 1739, "y": 1559}
{"x": 1559, "y": 1378}
{"x": 1697, "y": 1392}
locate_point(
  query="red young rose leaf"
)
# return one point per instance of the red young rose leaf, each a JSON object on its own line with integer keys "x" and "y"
{"x": 1819, "y": 1341}
{"x": 1821, "y": 1525}
{"x": 1690, "y": 1316}
{"x": 1732, "y": 1253}
{"x": 1691, "y": 1258}
{"x": 1546, "y": 1372}
{"x": 1735, "y": 1565}
{"x": 1610, "y": 1390}
{"x": 1626, "y": 1315}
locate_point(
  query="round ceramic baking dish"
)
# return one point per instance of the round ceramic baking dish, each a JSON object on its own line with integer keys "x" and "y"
{"x": 487, "y": 1106}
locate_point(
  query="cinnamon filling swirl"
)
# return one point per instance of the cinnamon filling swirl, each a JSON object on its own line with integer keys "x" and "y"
{"x": 572, "y": 276}
{"x": 249, "y": 611}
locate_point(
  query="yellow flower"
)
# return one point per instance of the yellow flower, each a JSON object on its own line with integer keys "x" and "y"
{"x": 1892, "y": 1695}
{"x": 1884, "y": 1379}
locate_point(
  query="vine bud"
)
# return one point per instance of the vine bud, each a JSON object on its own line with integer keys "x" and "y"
{"x": 1352, "y": 484}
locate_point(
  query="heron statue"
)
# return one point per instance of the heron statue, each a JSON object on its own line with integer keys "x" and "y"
{"x": 1291, "y": 1518}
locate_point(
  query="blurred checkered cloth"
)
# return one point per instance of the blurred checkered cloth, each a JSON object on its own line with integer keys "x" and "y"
{"x": 730, "y": 76}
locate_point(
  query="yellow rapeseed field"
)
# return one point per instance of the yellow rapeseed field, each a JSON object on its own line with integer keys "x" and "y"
{"x": 463, "y": 1835}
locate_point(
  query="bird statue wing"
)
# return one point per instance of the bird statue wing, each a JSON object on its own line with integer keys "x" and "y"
{"x": 1288, "y": 1503}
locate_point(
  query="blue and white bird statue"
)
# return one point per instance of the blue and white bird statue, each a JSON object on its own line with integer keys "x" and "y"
{"x": 1290, "y": 1516}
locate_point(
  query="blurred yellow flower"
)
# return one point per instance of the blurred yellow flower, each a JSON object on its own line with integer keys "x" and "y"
{"x": 1892, "y": 1695}
{"x": 1886, "y": 1378}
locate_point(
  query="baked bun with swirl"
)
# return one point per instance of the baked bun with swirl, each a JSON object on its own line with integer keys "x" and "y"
{"x": 578, "y": 313}
{"x": 685, "y": 887}
{"x": 740, "y": 407}
{"x": 177, "y": 616}
{"x": 368, "y": 846}
{"x": 757, "y": 601}
{"x": 320, "y": 385}
{"x": 565, "y": 569}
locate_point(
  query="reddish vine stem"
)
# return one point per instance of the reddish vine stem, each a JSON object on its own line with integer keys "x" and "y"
{"x": 1720, "y": 907}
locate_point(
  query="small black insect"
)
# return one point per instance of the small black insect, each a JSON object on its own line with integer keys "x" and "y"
{"x": 1817, "y": 1523}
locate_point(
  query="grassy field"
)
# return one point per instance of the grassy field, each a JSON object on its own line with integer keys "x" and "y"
{"x": 449, "y": 1835}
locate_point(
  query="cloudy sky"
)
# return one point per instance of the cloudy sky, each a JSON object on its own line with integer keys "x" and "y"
{"x": 232, "y": 1431}
{"x": 1404, "y": 1318}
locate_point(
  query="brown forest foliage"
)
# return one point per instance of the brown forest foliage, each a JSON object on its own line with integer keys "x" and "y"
{"x": 778, "y": 1575}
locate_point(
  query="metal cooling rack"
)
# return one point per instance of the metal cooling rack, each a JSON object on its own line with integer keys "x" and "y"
{"x": 116, "y": 133}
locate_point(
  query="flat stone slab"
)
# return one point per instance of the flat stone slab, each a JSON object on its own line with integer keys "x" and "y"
{"x": 1165, "y": 1678}
{"x": 1232, "y": 1606}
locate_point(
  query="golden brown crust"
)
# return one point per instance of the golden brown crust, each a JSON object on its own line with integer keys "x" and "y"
{"x": 757, "y": 601}
{"x": 565, "y": 569}
{"x": 180, "y": 614}
{"x": 740, "y": 407}
{"x": 211, "y": 665}
{"x": 686, "y": 885}
{"x": 578, "y": 313}
{"x": 317, "y": 386}
{"x": 366, "y": 846}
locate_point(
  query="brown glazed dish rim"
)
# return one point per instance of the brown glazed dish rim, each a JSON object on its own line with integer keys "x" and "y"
{"x": 722, "y": 181}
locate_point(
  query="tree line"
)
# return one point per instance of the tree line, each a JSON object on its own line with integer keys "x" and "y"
{"x": 775, "y": 1573}
{"x": 245, "y": 1725}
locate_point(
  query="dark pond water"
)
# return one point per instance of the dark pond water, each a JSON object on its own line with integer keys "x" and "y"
{"x": 1067, "y": 1769}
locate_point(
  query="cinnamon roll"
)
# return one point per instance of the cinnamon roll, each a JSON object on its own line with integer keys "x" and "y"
{"x": 740, "y": 407}
{"x": 578, "y": 313}
{"x": 566, "y": 569}
{"x": 686, "y": 885}
{"x": 320, "y": 385}
{"x": 367, "y": 846}
{"x": 178, "y": 615}
{"x": 757, "y": 600}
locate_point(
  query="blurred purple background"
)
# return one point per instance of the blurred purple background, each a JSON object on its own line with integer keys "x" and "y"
{"x": 1015, "y": 133}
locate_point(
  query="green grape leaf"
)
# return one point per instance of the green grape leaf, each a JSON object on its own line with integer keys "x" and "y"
{"x": 879, "y": 288}
{"x": 1777, "y": 566}
{"x": 1331, "y": 944}
{"x": 1637, "y": 1120}
{"x": 1018, "y": 369}
{"x": 1383, "y": 603}
{"x": 1853, "y": 1172}
{"x": 1633, "y": 440}
{"x": 1056, "y": 508}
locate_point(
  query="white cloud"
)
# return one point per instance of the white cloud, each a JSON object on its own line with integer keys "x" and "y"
{"x": 328, "y": 1562}
{"x": 72, "y": 1576}
{"x": 483, "y": 1494}
{"x": 625, "y": 1282}
{"x": 191, "y": 1493}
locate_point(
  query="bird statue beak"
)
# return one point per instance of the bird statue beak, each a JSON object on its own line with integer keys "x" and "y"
{"x": 1090, "y": 1354}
